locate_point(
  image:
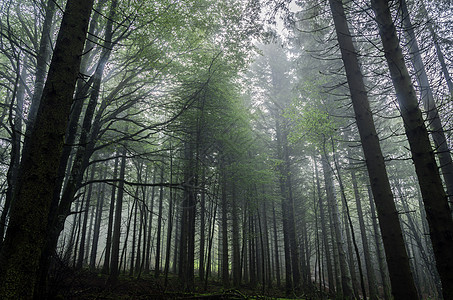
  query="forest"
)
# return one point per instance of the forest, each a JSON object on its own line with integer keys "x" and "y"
{"x": 235, "y": 149}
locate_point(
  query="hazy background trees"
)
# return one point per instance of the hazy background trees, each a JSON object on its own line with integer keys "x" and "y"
{"x": 249, "y": 142}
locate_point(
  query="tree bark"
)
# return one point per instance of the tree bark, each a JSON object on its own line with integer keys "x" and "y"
{"x": 372, "y": 287}
{"x": 187, "y": 243}
{"x": 402, "y": 282}
{"x": 436, "y": 205}
{"x": 277, "y": 261}
{"x": 212, "y": 222}
{"x": 170, "y": 224}
{"x": 86, "y": 211}
{"x": 381, "y": 257}
{"x": 108, "y": 243}
{"x": 346, "y": 282}
{"x": 350, "y": 234}
{"x": 202, "y": 226}
{"x": 97, "y": 225}
{"x": 26, "y": 232}
{"x": 440, "y": 55}
{"x": 324, "y": 232}
{"x": 252, "y": 252}
{"x": 134, "y": 234}
{"x": 16, "y": 132}
{"x": 150, "y": 225}
{"x": 235, "y": 238}
{"x": 159, "y": 226}
{"x": 224, "y": 209}
{"x": 116, "y": 236}
{"x": 42, "y": 59}
{"x": 427, "y": 97}
{"x": 292, "y": 234}
{"x": 267, "y": 250}
{"x": 285, "y": 209}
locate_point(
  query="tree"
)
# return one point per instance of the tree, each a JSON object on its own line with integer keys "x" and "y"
{"x": 427, "y": 97}
{"x": 397, "y": 259}
{"x": 116, "y": 235}
{"x": 433, "y": 193}
{"x": 26, "y": 232}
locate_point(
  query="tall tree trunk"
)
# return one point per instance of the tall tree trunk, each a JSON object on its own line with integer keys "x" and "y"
{"x": 440, "y": 55}
{"x": 277, "y": 261}
{"x": 123, "y": 259}
{"x": 97, "y": 224}
{"x": 16, "y": 132}
{"x": 267, "y": 250}
{"x": 170, "y": 224}
{"x": 335, "y": 253}
{"x": 27, "y": 228}
{"x": 150, "y": 224}
{"x": 144, "y": 220}
{"x": 224, "y": 209}
{"x": 116, "y": 236}
{"x": 79, "y": 228}
{"x": 108, "y": 243}
{"x": 235, "y": 237}
{"x": 252, "y": 252}
{"x": 212, "y": 222}
{"x": 159, "y": 226}
{"x": 425, "y": 253}
{"x": 86, "y": 211}
{"x": 89, "y": 232}
{"x": 187, "y": 244}
{"x": 292, "y": 234}
{"x": 177, "y": 241}
{"x": 202, "y": 226}
{"x": 60, "y": 208}
{"x": 403, "y": 286}
{"x": 427, "y": 97}
{"x": 244, "y": 250}
{"x": 348, "y": 224}
{"x": 318, "y": 267}
{"x": 427, "y": 242}
{"x": 258, "y": 254}
{"x": 42, "y": 60}
{"x": 80, "y": 95}
{"x": 285, "y": 209}
{"x": 138, "y": 260}
{"x": 324, "y": 232}
{"x": 381, "y": 257}
{"x": 372, "y": 287}
{"x": 134, "y": 235}
{"x": 437, "y": 210}
{"x": 71, "y": 244}
{"x": 346, "y": 282}
{"x": 350, "y": 256}
{"x": 261, "y": 253}
{"x": 305, "y": 250}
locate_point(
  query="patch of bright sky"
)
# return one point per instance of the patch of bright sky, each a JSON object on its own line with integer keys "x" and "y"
{"x": 279, "y": 18}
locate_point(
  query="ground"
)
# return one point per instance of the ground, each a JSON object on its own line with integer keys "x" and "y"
{"x": 85, "y": 284}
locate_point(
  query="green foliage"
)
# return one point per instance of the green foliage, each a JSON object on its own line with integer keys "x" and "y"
{"x": 309, "y": 114}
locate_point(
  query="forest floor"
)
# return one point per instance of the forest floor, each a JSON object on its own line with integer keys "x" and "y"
{"x": 85, "y": 284}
